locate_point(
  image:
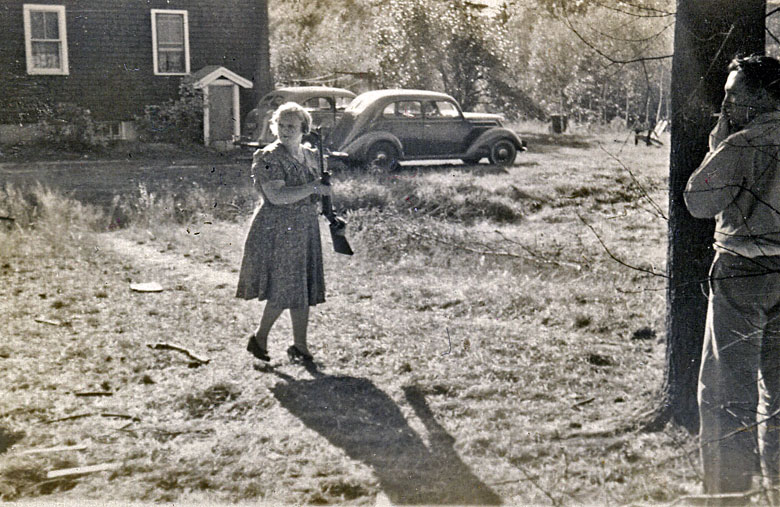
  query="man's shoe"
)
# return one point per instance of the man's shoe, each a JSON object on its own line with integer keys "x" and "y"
{"x": 256, "y": 350}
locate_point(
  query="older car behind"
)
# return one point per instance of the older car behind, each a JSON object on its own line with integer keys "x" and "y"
{"x": 383, "y": 127}
{"x": 325, "y": 104}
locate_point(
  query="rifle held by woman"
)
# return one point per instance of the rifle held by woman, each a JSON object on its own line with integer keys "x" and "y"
{"x": 338, "y": 226}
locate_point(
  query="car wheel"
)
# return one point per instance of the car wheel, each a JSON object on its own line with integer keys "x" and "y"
{"x": 382, "y": 156}
{"x": 503, "y": 152}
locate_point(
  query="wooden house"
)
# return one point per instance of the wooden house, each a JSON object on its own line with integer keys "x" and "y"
{"x": 114, "y": 57}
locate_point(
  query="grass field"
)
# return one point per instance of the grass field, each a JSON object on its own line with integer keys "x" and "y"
{"x": 493, "y": 339}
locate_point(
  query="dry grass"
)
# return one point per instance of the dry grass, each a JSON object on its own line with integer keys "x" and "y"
{"x": 481, "y": 346}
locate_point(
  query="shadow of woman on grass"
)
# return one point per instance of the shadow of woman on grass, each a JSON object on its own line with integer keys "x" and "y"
{"x": 356, "y": 416}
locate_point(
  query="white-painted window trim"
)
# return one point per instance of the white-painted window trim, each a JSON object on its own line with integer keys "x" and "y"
{"x": 63, "y": 39}
{"x": 155, "y": 52}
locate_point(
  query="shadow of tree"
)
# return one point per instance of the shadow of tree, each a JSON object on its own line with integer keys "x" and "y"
{"x": 356, "y": 416}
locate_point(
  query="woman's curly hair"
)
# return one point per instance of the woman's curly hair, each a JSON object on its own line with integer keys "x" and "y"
{"x": 290, "y": 108}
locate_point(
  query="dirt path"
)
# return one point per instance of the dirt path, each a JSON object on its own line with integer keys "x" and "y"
{"x": 181, "y": 269}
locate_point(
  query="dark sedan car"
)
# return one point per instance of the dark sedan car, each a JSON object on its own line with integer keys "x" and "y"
{"x": 325, "y": 104}
{"x": 382, "y": 127}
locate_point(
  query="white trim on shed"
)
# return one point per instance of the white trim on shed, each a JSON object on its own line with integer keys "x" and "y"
{"x": 214, "y": 75}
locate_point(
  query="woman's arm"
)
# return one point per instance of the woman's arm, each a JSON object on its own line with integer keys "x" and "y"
{"x": 274, "y": 188}
{"x": 277, "y": 193}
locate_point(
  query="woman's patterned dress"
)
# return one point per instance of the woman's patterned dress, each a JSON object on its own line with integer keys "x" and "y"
{"x": 282, "y": 260}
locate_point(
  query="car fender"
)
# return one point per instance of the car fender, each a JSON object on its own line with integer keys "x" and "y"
{"x": 358, "y": 148}
{"x": 490, "y": 136}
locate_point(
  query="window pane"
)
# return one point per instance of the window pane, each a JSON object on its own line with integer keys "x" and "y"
{"x": 37, "y": 25}
{"x": 52, "y": 26}
{"x": 317, "y": 103}
{"x": 170, "y": 29}
{"x": 409, "y": 109}
{"x": 431, "y": 110}
{"x": 170, "y": 61}
{"x": 447, "y": 109}
{"x": 46, "y": 55}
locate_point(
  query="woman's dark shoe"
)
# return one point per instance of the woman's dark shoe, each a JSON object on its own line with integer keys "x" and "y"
{"x": 256, "y": 350}
{"x": 296, "y": 356}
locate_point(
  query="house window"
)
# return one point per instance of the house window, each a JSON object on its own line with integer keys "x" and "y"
{"x": 170, "y": 42}
{"x": 45, "y": 39}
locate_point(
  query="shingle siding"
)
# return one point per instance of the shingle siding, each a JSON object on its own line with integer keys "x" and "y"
{"x": 110, "y": 54}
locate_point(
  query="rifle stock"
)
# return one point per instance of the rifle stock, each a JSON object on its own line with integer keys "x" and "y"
{"x": 338, "y": 226}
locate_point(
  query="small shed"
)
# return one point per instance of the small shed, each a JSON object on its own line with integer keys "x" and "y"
{"x": 221, "y": 105}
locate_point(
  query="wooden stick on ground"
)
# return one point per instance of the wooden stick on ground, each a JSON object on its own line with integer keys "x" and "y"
{"x": 82, "y": 470}
{"x": 89, "y": 414}
{"x": 51, "y": 322}
{"x": 170, "y": 346}
{"x": 59, "y": 448}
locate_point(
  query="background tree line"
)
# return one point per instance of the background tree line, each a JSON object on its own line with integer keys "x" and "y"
{"x": 598, "y": 61}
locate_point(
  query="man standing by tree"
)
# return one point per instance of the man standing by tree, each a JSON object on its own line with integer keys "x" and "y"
{"x": 738, "y": 183}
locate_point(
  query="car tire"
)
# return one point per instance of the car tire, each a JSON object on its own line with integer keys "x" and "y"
{"x": 503, "y": 152}
{"x": 382, "y": 156}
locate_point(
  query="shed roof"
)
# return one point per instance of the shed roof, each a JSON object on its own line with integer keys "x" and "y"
{"x": 211, "y": 73}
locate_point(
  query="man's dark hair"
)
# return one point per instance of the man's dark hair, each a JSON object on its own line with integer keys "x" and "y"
{"x": 760, "y": 71}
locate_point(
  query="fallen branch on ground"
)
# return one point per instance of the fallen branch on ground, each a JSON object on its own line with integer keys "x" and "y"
{"x": 170, "y": 346}
{"x": 706, "y": 499}
{"x": 51, "y": 322}
{"x": 59, "y": 448}
{"x": 90, "y": 414}
{"x": 82, "y": 470}
{"x": 583, "y": 402}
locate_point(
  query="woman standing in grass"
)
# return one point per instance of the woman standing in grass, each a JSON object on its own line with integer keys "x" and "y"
{"x": 282, "y": 262}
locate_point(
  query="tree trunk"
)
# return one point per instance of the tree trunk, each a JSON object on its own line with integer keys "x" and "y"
{"x": 263, "y": 80}
{"x": 708, "y": 34}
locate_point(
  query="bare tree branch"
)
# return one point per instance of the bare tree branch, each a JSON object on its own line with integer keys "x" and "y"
{"x": 649, "y": 38}
{"x": 772, "y": 35}
{"x": 535, "y": 483}
{"x": 614, "y": 257}
{"x": 604, "y": 55}
{"x": 494, "y": 253}
{"x": 656, "y": 13}
{"x": 642, "y": 190}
